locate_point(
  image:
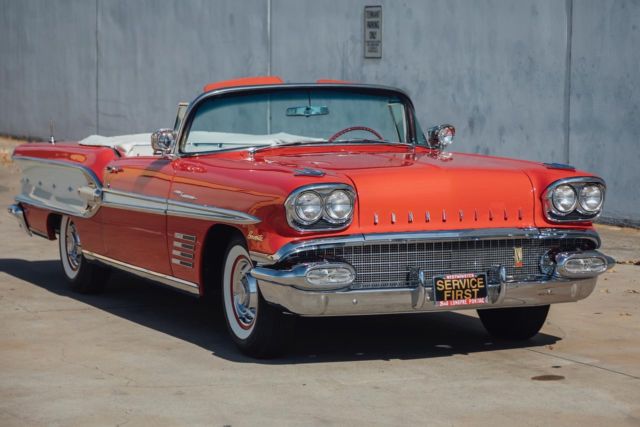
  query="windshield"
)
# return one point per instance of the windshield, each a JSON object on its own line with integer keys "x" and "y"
{"x": 296, "y": 116}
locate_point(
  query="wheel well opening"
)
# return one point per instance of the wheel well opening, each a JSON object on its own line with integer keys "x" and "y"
{"x": 215, "y": 244}
{"x": 53, "y": 225}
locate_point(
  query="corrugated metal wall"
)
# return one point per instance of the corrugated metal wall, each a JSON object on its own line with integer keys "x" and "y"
{"x": 538, "y": 79}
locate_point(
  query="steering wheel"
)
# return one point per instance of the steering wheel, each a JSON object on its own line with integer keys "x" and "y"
{"x": 353, "y": 128}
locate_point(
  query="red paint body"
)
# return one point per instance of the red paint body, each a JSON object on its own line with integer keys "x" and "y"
{"x": 467, "y": 191}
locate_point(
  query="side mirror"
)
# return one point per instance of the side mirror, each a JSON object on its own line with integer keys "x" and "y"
{"x": 162, "y": 141}
{"x": 440, "y": 136}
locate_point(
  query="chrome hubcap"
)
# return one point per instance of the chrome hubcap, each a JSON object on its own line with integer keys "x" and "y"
{"x": 73, "y": 247}
{"x": 244, "y": 294}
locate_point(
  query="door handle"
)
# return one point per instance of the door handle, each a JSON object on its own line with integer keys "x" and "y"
{"x": 114, "y": 169}
{"x": 184, "y": 195}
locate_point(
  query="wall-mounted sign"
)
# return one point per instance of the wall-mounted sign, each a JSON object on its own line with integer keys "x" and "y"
{"x": 373, "y": 31}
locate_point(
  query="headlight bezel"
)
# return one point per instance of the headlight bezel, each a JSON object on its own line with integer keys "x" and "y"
{"x": 325, "y": 222}
{"x": 578, "y": 213}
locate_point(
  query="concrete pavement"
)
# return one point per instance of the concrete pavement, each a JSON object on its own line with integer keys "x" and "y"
{"x": 140, "y": 354}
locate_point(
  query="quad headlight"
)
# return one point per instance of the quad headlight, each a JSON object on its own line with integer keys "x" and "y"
{"x": 564, "y": 198}
{"x": 320, "y": 207}
{"x": 308, "y": 207}
{"x": 574, "y": 199}
{"x": 338, "y": 206}
{"x": 591, "y": 198}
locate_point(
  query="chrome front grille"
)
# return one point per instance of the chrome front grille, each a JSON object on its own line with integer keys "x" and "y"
{"x": 395, "y": 265}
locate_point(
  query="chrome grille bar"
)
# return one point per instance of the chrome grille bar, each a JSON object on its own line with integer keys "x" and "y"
{"x": 395, "y": 265}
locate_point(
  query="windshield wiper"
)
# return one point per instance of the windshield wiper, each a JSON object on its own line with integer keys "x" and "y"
{"x": 286, "y": 144}
{"x": 367, "y": 141}
{"x": 340, "y": 141}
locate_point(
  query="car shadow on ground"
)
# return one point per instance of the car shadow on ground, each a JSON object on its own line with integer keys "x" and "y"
{"x": 316, "y": 339}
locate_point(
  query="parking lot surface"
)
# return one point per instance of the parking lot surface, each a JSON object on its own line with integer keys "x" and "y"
{"x": 140, "y": 354}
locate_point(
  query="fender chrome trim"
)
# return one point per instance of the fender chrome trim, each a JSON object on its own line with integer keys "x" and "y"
{"x": 90, "y": 195}
{"x": 195, "y": 211}
{"x": 133, "y": 202}
{"x": 78, "y": 195}
{"x": 174, "y": 282}
{"x": 156, "y": 205}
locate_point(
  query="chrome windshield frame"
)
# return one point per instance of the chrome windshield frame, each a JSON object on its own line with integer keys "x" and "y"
{"x": 193, "y": 107}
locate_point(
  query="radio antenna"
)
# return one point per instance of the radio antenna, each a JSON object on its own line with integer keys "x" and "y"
{"x": 52, "y": 140}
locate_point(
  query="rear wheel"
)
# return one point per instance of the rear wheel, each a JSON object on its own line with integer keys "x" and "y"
{"x": 83, "y": 276}
{"x": 258, "y": 329}
{"x": 520, "y": 323}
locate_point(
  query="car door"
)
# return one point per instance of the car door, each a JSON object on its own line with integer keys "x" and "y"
{"x": 134, "y": 216}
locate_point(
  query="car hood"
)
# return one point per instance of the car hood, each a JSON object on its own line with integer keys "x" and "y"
{"x": 402, "y": 189}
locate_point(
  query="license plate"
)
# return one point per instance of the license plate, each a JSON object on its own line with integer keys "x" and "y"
{"x": 460, "y": 289}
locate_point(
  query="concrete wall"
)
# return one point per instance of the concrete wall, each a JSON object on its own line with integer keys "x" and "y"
{"x": 605, "y": 100}
{"x": 543, "y": 80}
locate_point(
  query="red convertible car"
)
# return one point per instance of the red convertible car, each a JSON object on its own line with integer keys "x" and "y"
{"x": 325, "y": 199}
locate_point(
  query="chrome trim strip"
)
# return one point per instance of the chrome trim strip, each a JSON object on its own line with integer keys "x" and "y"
{"x": 17, "y": 212}
{"x": 156, "y": 205}
{"x": 182, "y": 254}
{"x": 182, "y": 263}
{"x": 190, "y": 210}
{"x": 37, "y": 204}
{"x": 164, "y": 279}
{"x": 133, "y": 201}
{"x": 440, "y": 236}
{"x": 186, "y": 246}
{"x": 260, "y": 258}
{"x": 187, "y": 237}
{"x": 92, "y": 184}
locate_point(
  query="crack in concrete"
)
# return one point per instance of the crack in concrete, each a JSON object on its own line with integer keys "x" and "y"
{"x": 613, "y": 371}
{"x": 128, "y": 380}
{"x": 53, "y": 310}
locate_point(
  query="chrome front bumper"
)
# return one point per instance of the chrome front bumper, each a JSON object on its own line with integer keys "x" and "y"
{"x": 416, "y": 300}
{"x": 290, "y": 290}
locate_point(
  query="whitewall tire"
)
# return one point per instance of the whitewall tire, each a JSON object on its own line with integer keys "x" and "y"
{"x": 240, "y": 301}
{"x": 82, "y": 275}
{"x": 257, "y": 328}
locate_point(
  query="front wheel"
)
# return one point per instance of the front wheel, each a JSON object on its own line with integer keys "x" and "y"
{"x": 258, "y": 329}
{"x": 83, "y": 276}
{"x": 519, "y": 323}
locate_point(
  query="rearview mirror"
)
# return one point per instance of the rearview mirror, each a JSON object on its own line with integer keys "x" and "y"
{"x": 162, "y": 141}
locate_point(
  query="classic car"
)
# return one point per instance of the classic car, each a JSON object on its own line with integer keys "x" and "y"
{"x": 324, "y": 199}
